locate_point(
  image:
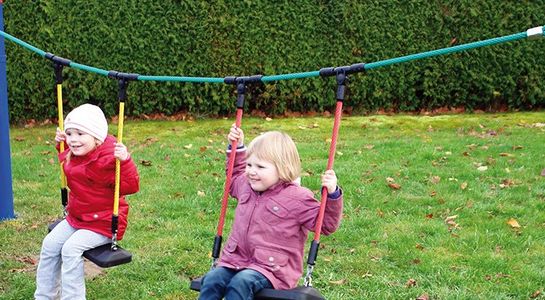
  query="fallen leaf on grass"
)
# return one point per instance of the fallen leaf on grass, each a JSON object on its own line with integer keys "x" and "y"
{"x": 394, "y": 186}
{"x": 201, "y": 194}
{"x": 27, "y": 260}
{"x": 543, "y": 172}
{"x": 463, "y": 186}
{"x": 435, "y": 179}
{"x": 451, "y": 223}
{"x": 482, "y": 168}
{"x": 146, "y": 163}
{"x": 513, "y": 223}
{"x": 535, "y": 294}
{"x": 410, "y": 283}
{"x": 506, "y": 183}
{"x": 188, "y": 146}
{"x": 338, "y": 282}
{"x": 423, "y": 297}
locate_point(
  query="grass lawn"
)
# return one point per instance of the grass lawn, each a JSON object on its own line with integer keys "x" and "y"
{"x": 452, "y": 206}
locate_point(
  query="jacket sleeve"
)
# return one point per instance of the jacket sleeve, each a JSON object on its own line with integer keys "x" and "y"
{"x": 238, "y": 179}
{"x": 129, "y": 181}
{"x": 310, "y": 209}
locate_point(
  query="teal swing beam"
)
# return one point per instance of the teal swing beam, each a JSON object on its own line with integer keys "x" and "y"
{"x": 532, "y": 33}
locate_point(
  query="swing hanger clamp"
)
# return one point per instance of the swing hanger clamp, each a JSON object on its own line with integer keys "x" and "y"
{"x": 58, "y": 63}
{"x": 123, "y": 81}
{"x": 241, "y": 83}
{"x": 355, "y": 68}
{"x": 341, "y": 74}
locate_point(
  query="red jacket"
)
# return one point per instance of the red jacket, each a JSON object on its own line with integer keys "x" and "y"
{"x": 271, "y": 228}
{"x": 91, "y": 180}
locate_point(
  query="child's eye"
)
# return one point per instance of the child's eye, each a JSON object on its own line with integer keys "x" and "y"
{"x": 249, "y": 165}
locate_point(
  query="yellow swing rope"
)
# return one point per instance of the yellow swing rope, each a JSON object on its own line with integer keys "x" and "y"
{"x": 117, "y": 162}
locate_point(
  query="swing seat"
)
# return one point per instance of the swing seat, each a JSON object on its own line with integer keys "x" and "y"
{"x": 52, "y": 225}
{"x": 298, "y": 293}
{"x": 104, "y": 257}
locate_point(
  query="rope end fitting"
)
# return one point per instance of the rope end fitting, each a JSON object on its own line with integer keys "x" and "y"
{"x": 534, "y": 33}
{"x": 123, "y": 81}
{"x": 341, "y": 74}
{"x": 241, "y": 82}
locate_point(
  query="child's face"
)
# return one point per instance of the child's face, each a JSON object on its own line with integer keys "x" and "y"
{"x": 262, "y": 174}
{"x": 80, "y": 143}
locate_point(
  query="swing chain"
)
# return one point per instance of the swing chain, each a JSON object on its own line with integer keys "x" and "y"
{"x": 214, "y": 263}
{"x": 308, "y": 276}
{"x": 114, "y": 241}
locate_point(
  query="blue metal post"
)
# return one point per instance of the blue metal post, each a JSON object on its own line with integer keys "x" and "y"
{"x": 6, "y": 186}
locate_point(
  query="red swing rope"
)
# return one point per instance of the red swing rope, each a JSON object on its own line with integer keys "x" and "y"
{"x": 230, "y": 167}
{"x": 330, "y": 160}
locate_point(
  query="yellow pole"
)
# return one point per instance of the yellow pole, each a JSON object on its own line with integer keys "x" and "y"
{"x": 61, "y": 127}
{"x": 117, "y": 162}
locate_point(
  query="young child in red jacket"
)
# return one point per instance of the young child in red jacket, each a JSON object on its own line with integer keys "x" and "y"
{"x": 89, "y": 165}
{"x": 272, "y": 219}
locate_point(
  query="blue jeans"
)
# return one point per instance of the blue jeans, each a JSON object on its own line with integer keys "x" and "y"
{"x": 232, "y": 284}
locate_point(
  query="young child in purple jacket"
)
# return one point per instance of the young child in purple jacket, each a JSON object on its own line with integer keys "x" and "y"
{"x": 272, "y": 219}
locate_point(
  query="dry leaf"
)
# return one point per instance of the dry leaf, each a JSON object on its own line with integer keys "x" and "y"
{"x": 513, "y": 223}
{"x": 394, "y": 186}
{"x": 146, "y": 163}
{"x": 535, "y": 294}
{"x": 410, "y": 283}
{"x": 463, "y": 186}
{"x": 423, "y": 297}
{"x": 201, "y": 194}
{"x": 390, "y": 180}
{"x": 338, "y": 282}
{"x": 268, "y": 119}
{"x": 188, "y": 146}
{"x": 482, "y": 168}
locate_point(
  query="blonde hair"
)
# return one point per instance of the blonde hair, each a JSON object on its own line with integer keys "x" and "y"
{"x": 279, "y": 149}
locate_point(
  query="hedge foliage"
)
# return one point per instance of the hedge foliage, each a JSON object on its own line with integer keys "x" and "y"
{"x": 224, "y": 38}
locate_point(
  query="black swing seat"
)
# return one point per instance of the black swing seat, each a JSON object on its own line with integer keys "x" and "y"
{"x": 52, "y": 225}
{"x": 298, "y": 293}
{"x": 104, "y": 257}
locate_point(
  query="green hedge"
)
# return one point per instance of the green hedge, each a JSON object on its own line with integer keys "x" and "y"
{"x": 224, "y": 38}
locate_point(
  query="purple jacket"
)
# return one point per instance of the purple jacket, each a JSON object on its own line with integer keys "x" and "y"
{"x": 271, "y": 228}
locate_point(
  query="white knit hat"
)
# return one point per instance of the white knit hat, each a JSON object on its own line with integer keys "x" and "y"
{"x": 89, "y": 119}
